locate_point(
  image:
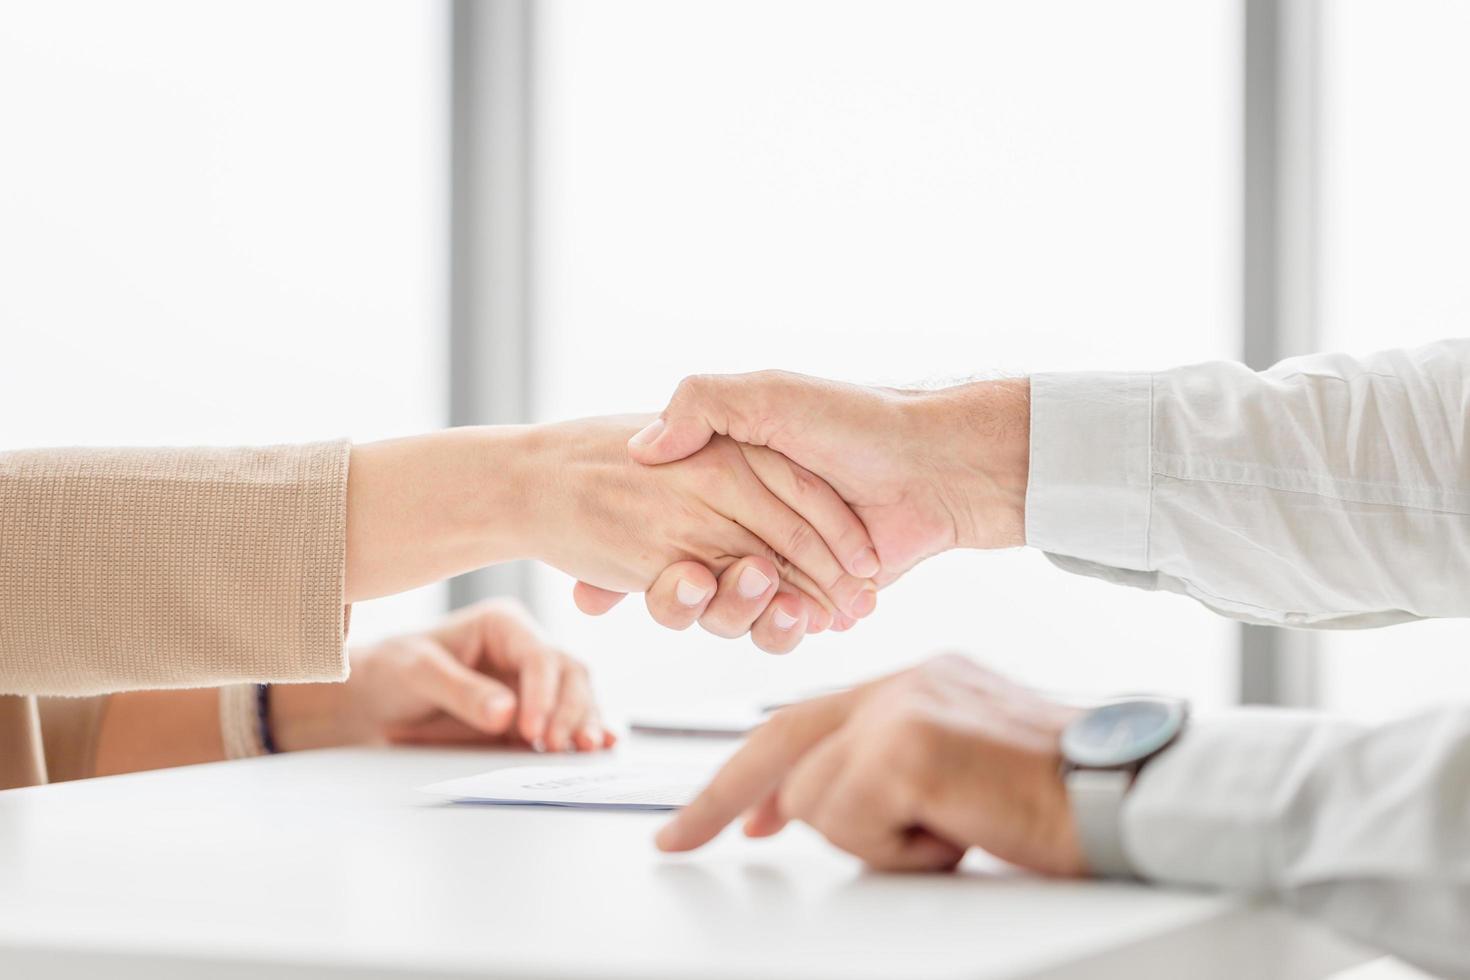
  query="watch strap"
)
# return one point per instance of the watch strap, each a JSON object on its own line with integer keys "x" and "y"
{"x": 1096, "y": 797}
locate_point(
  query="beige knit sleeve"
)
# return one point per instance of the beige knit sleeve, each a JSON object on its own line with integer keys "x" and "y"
{"x": 131, "y": 569}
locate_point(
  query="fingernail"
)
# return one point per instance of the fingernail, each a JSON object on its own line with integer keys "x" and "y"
{"x": 538, "y": 745}
{"x": 865, "y": 602}
{"x": 689, "y": 594}
{"x": 783, "y": 619}
{"x": 593, "y": 735}
{"x": 648, "y": 433}
{"x": 752, "y": 583}
{"x": 865, "y": 565}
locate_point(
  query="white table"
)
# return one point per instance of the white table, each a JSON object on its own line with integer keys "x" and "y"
{"x": 328, "y": 864}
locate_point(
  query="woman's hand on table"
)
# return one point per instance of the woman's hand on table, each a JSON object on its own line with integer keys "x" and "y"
{"x": 485, "y": 675}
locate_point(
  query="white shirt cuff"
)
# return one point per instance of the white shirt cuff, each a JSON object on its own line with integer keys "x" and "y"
{"x": 1090, "y": 480}
{"x": 1216, "y": 808}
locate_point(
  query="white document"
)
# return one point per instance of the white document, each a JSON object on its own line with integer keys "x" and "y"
{"x": 595, "y": 787}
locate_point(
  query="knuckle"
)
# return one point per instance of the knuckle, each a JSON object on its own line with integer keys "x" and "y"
{"x": 792, "y": 804}
{"x": 799, "y": 538}
{"x": 948, "y": 660}
{"x": 692, "y": 387}
{"x": 782, "y": 564}
{"x": 783, "y": 724}
{"x": 806, "y": 484}
{"x": 421, "y": 658}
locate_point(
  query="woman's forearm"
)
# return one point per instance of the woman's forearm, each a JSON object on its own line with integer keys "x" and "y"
{"x": 427, "y": 507}
{"x": 157, "y": 729}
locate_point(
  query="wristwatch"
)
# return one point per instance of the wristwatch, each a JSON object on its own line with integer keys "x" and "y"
{"x": 1102, "y": 752}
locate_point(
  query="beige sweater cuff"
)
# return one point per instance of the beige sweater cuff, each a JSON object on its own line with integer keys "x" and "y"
{"x": 130, "y": 569}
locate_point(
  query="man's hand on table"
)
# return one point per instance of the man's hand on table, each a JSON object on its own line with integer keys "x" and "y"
{"x": 907, "y": 773}
{"x": 924, "y": 471}
{"x": 484, "y": 675}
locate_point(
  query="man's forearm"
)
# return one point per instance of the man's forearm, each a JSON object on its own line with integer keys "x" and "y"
{"x": 1327, "y": 491}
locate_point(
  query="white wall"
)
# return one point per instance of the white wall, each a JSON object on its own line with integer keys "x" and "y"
{"x": 223, "y": 223}
{"x": 1396, "y": 266}
{"x": 889, "y": 192}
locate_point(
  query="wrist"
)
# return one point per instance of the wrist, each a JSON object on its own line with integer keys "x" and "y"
{"x": 311, "y": 716}
{"x": 976, "y": 441}
{"x": 504, "y": 515}
{"x": 1063, "y": 848}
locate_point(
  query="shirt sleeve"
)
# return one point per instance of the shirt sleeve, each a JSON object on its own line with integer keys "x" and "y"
{"x": 130, "y": 569}
{"x": 1327, "y": 491}
{"x": 1365, "y": 828}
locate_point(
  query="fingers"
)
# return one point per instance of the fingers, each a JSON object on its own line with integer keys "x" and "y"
{"x": 783, "y": 623}
{"x": 745, "y": 589}
{"x": 740, "y": 406}
{"x": 540, "y": 679}
{"x": 765, "y": 820}
{"x": 573, "y": 705}
{"x": 858, "y": 806}
{"x": 481, "y": 702}
{"x": 687, "y": 592}
{"x": 680, "y": 594}
{"x": 755, "y": 770}
{"x": 750, "y": 503}
{"x": 595, "y": 601}
{"x": 511, "y": 642}
{"x": 814, "y": 499}
{"x": 497, "y": 642}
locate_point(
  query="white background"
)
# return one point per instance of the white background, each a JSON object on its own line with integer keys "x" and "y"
{"x": 888, "y": 192}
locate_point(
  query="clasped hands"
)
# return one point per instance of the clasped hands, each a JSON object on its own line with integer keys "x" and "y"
{"x": 813, "y": 494}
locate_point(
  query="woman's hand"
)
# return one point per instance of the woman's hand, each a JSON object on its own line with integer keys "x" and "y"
{"x": 730, "y": 514}
{"x": 752, "y": 540}
{"x": 484, "y": 675}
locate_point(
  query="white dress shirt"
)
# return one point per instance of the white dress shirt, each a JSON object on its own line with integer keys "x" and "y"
{"x": 1327, "y": 492}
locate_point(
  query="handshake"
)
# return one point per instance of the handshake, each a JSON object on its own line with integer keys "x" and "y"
{"x": 775, "y": 504}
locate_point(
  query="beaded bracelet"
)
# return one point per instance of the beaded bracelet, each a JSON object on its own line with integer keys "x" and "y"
{"x": 263, "y": 718}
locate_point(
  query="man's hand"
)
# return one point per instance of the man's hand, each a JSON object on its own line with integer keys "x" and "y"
{"x": 924, "y": 471}
{"x": 907, "y": 773}
{"x": 484, "y": 675}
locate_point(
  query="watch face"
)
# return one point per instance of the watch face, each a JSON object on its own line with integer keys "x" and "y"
{"x": 1122, "y": 732}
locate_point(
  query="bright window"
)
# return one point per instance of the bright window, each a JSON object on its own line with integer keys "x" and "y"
{"x": 223, "y": 223}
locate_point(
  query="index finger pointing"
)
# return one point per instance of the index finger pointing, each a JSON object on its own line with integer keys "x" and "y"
{"x": 754, "y": 771}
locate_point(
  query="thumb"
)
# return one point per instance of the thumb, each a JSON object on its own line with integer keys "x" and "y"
{"x": 703, "y": 406}
{"x": 593, "y": 600}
